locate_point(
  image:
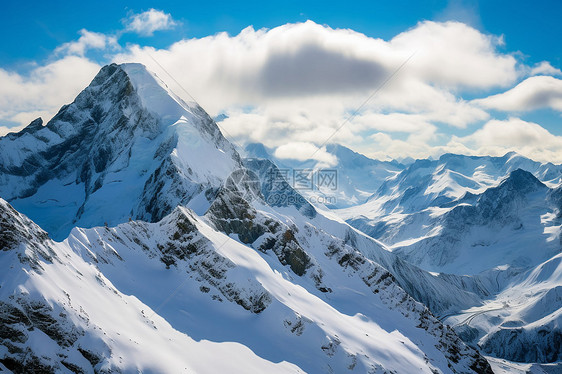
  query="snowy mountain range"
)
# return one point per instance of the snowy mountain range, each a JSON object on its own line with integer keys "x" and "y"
{"x": 485, "y": 229}
{"x": 135, "y": 238}
{"x": 495, "y": 221}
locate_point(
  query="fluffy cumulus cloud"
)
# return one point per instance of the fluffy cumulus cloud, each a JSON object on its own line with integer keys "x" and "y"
{"x": 300, "y": 60}
{"x": 396, "y": 134}
{"x": 536, "y": 92}
{"x": 299, "y": 82}
{"x": 88, "y": 40}
{"x": 545, "y": 68}
{"x": 454, "y": 55}
{"x": 44, "y": 90}
{"x": 297, "y": 86}
{"x": 303, "y": 151}
{"x": 495, "y": 138}
{"x": 146, "y": 23}
{"x": 499, "y": 137}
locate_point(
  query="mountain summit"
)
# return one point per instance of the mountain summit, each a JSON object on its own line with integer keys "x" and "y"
{"x": 127, "y": 147}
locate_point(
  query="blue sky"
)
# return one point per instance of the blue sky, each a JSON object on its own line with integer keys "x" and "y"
{"x": 52, "y": 49}
{"x": 33, "y": 29}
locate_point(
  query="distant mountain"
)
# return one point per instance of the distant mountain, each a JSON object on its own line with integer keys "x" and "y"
{"x": 495, "y": 228}
{"x": 495, "y": 222}
{"x": 356, "y": 177}
{"x": 404, "y": 207}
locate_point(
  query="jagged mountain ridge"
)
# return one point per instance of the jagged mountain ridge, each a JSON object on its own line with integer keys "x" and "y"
{"x": 226, "y": 283}
{"x": 421, "y": 202}
{"x": 428, "y": 185}
{"x": 491, "y": 229}
{"x": 59, "y": 313}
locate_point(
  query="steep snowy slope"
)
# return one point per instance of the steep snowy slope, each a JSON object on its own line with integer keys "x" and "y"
{"x": 65, "y": 306}
{"x": 60, "y": 314}
{"x": 442, "y": 293}
{"x": 355, "y": 176}
{"x": 125, "y": 148}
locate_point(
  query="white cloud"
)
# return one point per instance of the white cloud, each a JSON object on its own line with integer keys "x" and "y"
{"x": 304, "y": 59}
{"x": 533, "y": 93}
{"x": 303, "y": 151}
{"x": 393, "y": 122}
{"x": 495, "y": 138}
{"x": 420, "y": 135}
{"x": 44, "y": 89}
{"x": 455, "y": 55}
{"x": 146, "y": 23}
{"x": 436, "y": 104}
{"x": 499, "y": 137}
{"x": 545, "y": 68}
{"x": 275, "y": 125}
{"x": 88, "y": 40}
{"x": 384, "y": 146}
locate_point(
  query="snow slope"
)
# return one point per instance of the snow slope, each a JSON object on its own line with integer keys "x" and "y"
{"x": 59, "y": 313}
{"x": 97, "y": 301}
{"x": 522, "y": 322}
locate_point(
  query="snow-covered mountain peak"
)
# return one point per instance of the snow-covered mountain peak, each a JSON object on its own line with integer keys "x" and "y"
{"x": 155, "y": 94}
{"x": 516, "y": 187}
{"x": 126, "y": 147}
{"x": 522, "y": 179}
